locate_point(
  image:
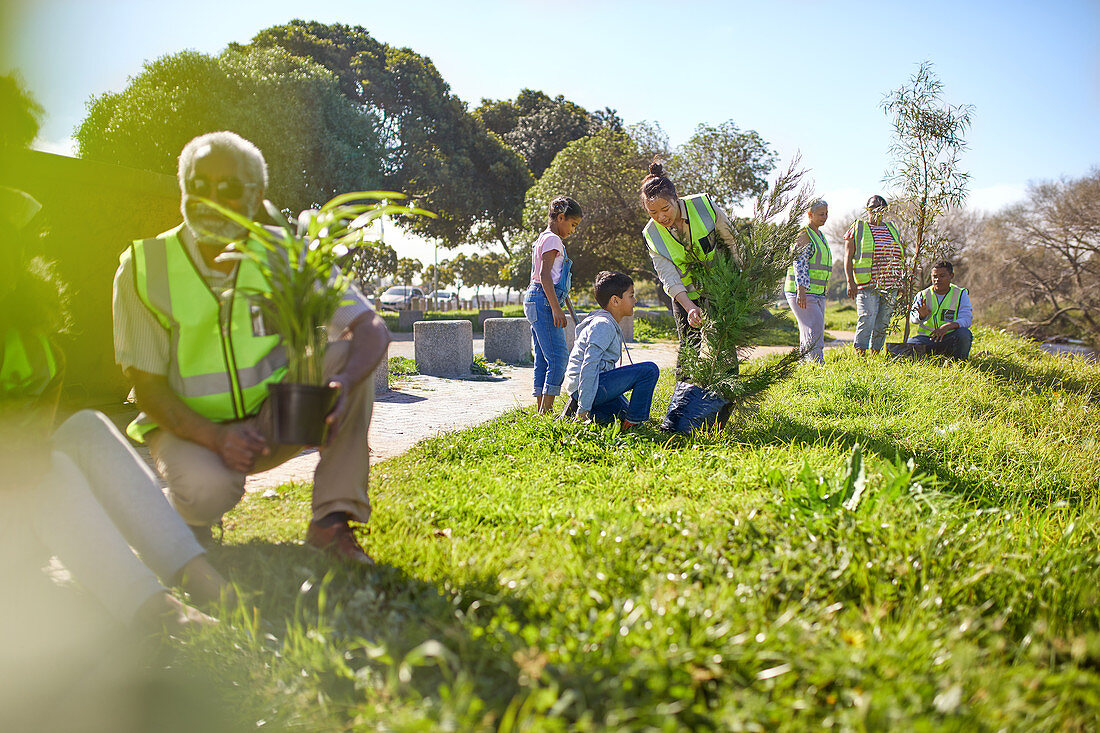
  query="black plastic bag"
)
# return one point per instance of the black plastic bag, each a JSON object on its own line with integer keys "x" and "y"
{"x": 693, "y": 408}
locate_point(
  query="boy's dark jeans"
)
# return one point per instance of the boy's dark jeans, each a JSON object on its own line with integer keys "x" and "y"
{"x": 638, "y": 379}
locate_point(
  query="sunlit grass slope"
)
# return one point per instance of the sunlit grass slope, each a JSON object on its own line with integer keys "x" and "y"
{"x": 885, "y": 545}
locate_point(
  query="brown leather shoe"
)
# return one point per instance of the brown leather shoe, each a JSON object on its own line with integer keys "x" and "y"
{"x": 337, "y": 540}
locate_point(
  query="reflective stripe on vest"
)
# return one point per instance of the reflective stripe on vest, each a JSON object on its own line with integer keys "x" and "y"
{"x": 27, "y": 366}
{"x": 942, "y": 311}
{"x": 700, "y": 215}
{"x": 217, "y": 366}
{"x": 821, "y": 265}
{"x": 865, "y": 249}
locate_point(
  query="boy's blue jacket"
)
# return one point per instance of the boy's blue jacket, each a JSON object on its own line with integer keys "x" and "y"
{"x": 598, "y": 348}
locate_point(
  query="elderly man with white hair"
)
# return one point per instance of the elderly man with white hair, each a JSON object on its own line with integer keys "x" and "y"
{"x": 169, "y": 288}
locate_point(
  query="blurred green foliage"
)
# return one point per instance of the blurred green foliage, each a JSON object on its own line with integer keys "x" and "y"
{"x": 538, "y": 127}
{"x": 316, "y": 141}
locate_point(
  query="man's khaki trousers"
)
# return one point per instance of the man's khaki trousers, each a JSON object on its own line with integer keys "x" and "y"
{"x": 202, "y": 488}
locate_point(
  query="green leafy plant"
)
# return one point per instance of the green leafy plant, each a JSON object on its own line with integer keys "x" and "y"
{"x": 402, "y": 366}
{"x": 302, "y": 269}
{"x": 739, "y": 285}
{"x": 486, "y": 368}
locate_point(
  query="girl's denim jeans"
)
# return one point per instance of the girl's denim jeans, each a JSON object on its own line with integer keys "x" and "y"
{"x": 551, "y": 354}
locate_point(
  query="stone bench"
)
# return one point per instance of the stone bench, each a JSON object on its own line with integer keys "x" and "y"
{"x": 485, "y": 313}
{"x": 382, "y": 374}
{"x": 627, "y": 325}
{"x": 406, "y": 318}
{"x": 508, "y": 340}
{"x": 443, "y": 348}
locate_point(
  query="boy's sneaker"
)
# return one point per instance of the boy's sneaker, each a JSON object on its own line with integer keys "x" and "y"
{"x": 625, "y": 424}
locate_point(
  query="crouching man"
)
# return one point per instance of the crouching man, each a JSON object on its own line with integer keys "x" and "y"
{"x": 200, "y": 371}
{"x": 941, "y": 314}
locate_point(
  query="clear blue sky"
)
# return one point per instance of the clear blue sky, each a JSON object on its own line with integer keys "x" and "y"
{"x": 807, "y": 75}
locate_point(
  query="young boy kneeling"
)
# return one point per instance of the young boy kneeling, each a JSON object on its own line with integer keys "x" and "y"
{"x": 591, "y": 378}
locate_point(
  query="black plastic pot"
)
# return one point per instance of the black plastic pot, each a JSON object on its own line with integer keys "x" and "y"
{"x": 298, "y": 412}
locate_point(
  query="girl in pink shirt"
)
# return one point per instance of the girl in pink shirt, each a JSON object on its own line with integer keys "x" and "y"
{"x": 550, "y": 281}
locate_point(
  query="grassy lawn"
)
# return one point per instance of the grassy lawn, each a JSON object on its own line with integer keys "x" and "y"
{"x": 884, "y": 545}
{"x": 840, "y": 315}
{"x": 782, "y": 330}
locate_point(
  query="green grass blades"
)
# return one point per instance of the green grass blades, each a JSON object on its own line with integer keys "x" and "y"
{"x": 402, "y": 366}
{"x": 882, "y": 545}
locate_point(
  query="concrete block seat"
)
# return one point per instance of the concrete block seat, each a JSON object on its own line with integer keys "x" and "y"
{"x": 382, "y": 374}
{"x": 406, "y": 318}
{"x": 485, "y": 313}
{"x": 508, "y": 340}
{"x": 443, "y": 348}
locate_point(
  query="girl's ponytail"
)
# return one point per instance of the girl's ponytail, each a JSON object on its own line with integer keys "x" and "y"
{"x": 564, "y": 205}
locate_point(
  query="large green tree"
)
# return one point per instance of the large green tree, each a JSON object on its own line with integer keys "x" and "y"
{"x": 317, "y": 143}
{"x": 724, "y": 161}
{"x": 538, "y": 127}
{"x": 18, "y": 116}
{"x": 434, "y": 149}
{"x": 408, "y": 269}
{"x": 602, "y": 172}
{"x": 439, "y": 276}
{"x": 370, "y": 262}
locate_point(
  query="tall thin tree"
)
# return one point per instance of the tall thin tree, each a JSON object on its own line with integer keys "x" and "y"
{"x": 925, "y": 175}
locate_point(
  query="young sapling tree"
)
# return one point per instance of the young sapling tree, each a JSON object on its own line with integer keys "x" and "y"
{"x": 925, "y": 175}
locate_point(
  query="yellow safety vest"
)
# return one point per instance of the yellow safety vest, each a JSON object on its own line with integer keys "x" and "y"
{"x": 821, "y": 265}
{"x": 865, "y": 249}
{"x": 701, "y": 218}
{"x": 221, "y": 363}
{"x": 944, "y": 311}
{"x": 27, "y": 364}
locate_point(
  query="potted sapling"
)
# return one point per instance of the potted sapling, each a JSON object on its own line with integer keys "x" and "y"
{"x": 305, "y": 287}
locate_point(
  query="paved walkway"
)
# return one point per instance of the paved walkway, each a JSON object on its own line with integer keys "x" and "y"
{"x": 420, "y": 406}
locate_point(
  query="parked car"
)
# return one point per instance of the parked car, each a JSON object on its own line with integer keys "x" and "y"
{"x": 442, "y": 296}
{"x": 397, "y": 298}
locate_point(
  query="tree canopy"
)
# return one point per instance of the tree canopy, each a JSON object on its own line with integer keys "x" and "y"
{"x": 18, "y": 116}
{"x": 538, "y": 127}
{"x": 725, "y": 162}
{"x": 1037, "y": 263}
{"x": 316, "y": 142}
{"x": 433, "y": 149}
{"x": 408, "y": 269}
{"x": 370, "y": 262}
{"x": 602, "y": 172}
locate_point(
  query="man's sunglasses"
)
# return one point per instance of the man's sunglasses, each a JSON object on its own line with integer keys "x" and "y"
{"x": 228, "y": 189}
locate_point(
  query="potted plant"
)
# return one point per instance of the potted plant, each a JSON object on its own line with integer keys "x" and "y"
{"x": 302, "y": 267}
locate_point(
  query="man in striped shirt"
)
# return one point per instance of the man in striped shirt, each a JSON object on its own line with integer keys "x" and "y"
{"x": 874, "y": 266}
